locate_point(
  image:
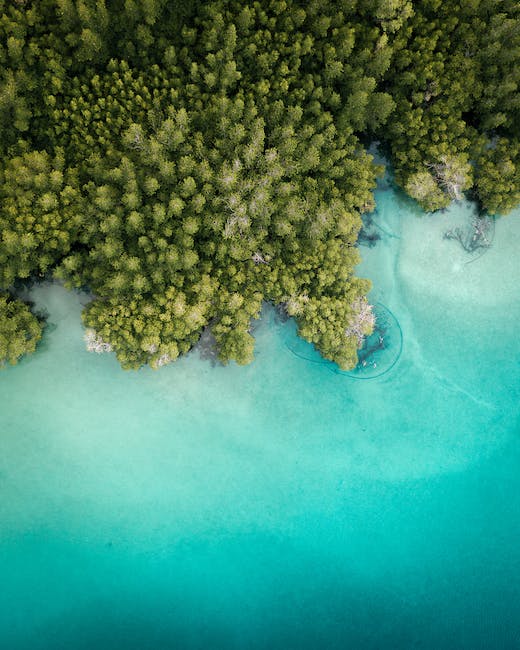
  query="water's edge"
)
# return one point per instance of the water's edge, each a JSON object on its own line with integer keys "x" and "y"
{"x": 280, "y": 505}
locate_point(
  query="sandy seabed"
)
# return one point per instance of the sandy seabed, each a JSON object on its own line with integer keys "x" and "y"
{"x": 280, "y": 505}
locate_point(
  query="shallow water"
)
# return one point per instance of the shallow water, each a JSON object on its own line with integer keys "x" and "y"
{"x": 281, "y": 505}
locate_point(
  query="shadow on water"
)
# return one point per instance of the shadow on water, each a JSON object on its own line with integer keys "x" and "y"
{"x": 475, "y": 236}
{"x": 372, "y": 232}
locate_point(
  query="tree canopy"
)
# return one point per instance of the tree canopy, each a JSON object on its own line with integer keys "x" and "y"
{"x": 20, "y": 330}
{"x": 187, "y": 162}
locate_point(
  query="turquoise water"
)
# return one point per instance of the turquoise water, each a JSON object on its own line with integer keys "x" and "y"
{"x": 281, "y": 505}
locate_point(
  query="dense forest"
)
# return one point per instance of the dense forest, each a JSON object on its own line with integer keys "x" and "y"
{"x": 185, "y": 161}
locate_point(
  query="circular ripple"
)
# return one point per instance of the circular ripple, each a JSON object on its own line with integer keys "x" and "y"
{"x": 379, "y": 354}
{"x": 473, "y": 234}
{"x": 381, "y": 350}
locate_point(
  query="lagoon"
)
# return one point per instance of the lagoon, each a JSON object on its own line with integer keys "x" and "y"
{"x": 284, "y": 504}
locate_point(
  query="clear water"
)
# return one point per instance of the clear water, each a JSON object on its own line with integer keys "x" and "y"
{"x": 281, "y": 505}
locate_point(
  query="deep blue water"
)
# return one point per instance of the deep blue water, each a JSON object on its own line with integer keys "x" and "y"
{"x": 281, "y": 505}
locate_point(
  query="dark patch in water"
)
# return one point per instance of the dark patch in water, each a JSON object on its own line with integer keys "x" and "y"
{"x": 206, "y": 346}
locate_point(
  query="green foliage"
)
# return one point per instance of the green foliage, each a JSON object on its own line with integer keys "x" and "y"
{"x": 498, "y": 180}
{"x": 187, "y": 161}
{"x": 212, "y": 194}
{"x": 39, "y": 214}
{"x": 455, "y": 84}
{"x": 20, "y": 330}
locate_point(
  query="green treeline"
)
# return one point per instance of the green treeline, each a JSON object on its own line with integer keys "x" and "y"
{"x": 186, "y": 162}
{"x": 20, "y": 330}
